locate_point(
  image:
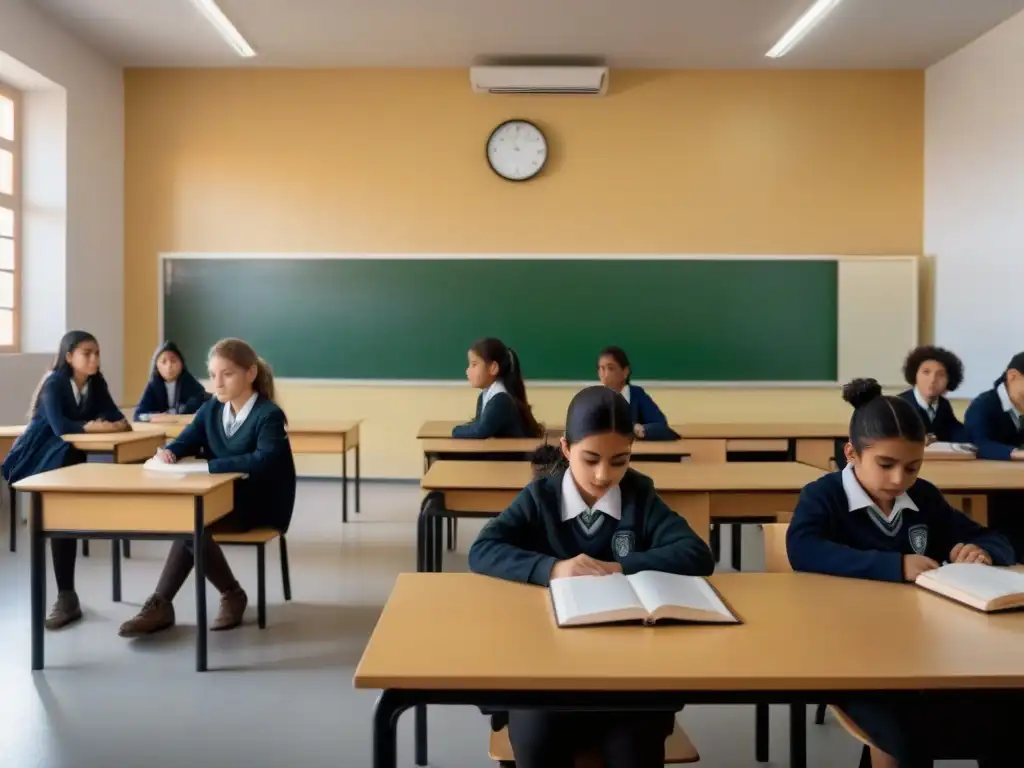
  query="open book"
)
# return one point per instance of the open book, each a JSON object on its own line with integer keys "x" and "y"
{"x": 181, "y": 467}
{"x": 648, "y": 596}
{"x": 951, "y": 448}
{"x": 984, "y": 587}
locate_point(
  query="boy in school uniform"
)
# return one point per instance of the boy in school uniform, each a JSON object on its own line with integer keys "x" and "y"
{"x": 931, "y": 372}
{"x": 995, "y": 419}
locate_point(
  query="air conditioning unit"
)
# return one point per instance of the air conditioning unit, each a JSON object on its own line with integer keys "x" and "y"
{"x": 589, "y": 81}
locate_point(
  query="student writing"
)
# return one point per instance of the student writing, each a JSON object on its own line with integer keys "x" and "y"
{"x": 932, "y": 372}
{"x": 71, "y": 398}
{"x": 649, "y": 422}
{"x": 502, "y": 409}
{"x": 171, "y": 388}
{"x": 240, "y": 430}
{"x": 877, "y": 520}
{"x": 995, "y": 419}
{"x": 595, "y": 517}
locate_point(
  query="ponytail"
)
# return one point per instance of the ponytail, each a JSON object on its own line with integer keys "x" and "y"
{"x": 68, "y": 343}
{"x": 510, "y": 374}
{"x": 264, "y": 383}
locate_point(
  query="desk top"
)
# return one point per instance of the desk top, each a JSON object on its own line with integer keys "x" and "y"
{"x": 762, "y": 430}
{"x": 668, "y": 477}
{"x": 977, "y": 475}
{"x": 442, "y": 429}
{"x": 12, "y": 431}
{"x": 490, "y": 445}
{"x": 458, "y": 631}
{"x": 122, "y": 478}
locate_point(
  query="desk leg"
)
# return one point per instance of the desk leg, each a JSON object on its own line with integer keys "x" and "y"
{"x": 199, "y": 553}
{"x": 37, "y": 554}
{"x": 127, "y": 544}
{"x": 13, "y": 496}
{"x": 420, "y": 723}
{"x": 344, "y": 486}
{"x": 357, "y": 480}
{"x": 737, "y": 546}
{"x": 385, "y": 730}
{"x": 762, "y": 733}
{"x": 85, "y": 547}
{"x": 797, "y": 736}
{"x": 115, "y": 565}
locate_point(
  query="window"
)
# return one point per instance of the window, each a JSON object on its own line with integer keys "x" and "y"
{"x": 10, "y": 215}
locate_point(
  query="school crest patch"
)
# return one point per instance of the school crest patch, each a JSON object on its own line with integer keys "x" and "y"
{"x": 623, "y": 542}
{"x": 918, "y": 538}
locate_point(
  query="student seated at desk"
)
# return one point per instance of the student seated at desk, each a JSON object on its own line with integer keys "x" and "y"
{"x": 649, "y": 423}
{"x": 995, "y": 419}
{"x": 71, "y": 398}
{"x": 171, "y": 388}
{"x": 877, "y": 520}
{"x": 932, "y": 372}
{"x": 240, "y": 430}
{"x": 502, "y": 409}
{"x": 594, "y": 518}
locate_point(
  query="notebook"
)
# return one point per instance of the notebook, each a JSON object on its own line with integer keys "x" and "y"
{"x": 181, "y": 467}
{"x": 984, "y": 587}
{"x": 647, "y": 597}
{"x": 950, "y": 448}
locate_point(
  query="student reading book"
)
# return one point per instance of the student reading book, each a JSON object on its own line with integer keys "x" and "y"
{"x": 596, "y": 518}
{"x": 976, "y": 585}
{"x": 877, "y": 520}
{"x": 648, "y": 597}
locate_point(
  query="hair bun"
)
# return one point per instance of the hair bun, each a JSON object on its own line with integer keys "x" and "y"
{"x": 860, "y": 392}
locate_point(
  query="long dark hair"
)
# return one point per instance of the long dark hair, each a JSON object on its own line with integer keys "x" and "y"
{"x": 595, "y": 410}
{"x": 880, "y": 417}
{"x": 68, "y": 343}
{"x": 167, "y": 346}
{"x": 492, "y": 350}
{"x": 618, "y": 354}
{"x": 547, "y": 460}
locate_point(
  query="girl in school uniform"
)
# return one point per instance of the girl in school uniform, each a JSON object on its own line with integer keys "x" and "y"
{"x": 171, "y": 389}
{"x": 594, "y": 518}
{"x": 649, "y": 422}
{"x": 877, "y": 520}
{"x": 995, "y": 419}
{"x": 71, "y": 398}
{"x": 931, "y": 372}
{"x": 240, "y": 430}
{"x": 502, "y": 409}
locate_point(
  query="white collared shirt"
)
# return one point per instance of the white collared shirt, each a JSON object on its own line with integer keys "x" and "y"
{"x": 1008, "y": 406}
{"x": 930, "y": 408}
{"x": 233, "y": 421}
{"x": 172, "y": 390}
{"x": 573, "y": 504}
{"x": 79, "y": 393}
{"x": 490, "y": 392}
{"x": 857, "y": 499}
{"x": 625, "y": 392}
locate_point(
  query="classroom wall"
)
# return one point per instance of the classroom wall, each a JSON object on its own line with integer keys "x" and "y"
{"x": 393, "y": 161}
{"x": 974, "y": 200}
{"x": 79, "y": 275}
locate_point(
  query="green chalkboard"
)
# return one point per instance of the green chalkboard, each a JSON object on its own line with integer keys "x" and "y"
{"x": 364, "y": 318}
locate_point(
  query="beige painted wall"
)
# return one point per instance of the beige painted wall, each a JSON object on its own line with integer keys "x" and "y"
{"x": 392, "y": 161}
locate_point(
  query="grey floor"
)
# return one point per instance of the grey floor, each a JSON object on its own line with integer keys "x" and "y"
{"x": 278, "y": 697}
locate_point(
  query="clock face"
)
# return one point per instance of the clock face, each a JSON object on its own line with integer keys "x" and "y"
{"x": 517, "y": 150}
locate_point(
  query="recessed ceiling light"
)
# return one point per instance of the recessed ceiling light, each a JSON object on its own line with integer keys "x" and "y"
{"x": 804, "y": 24}
{"x": 224, "y": 27}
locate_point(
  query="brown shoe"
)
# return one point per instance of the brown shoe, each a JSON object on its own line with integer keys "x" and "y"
{"x": 67, "y": 610}
{"x": 157, "y": 614}
{"x": 232, "y": 610}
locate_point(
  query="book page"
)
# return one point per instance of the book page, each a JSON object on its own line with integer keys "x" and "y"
{"x": 658, "y": 591}
{"x": 181, "y": 467}
{"x": 982, "y": 582}
{"x": 594, "y": 599}
{"x": 950, "y": 448}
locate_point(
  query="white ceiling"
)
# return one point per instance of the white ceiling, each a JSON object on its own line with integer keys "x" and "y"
{"x": 455, "y": 33}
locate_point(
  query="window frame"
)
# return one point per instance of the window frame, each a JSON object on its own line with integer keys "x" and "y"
{"x": 14, "y": 202}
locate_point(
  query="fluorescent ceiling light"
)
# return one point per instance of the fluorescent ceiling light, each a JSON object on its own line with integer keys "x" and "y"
{"x": 804, "y": 24}
{"x": 224, "y": 27}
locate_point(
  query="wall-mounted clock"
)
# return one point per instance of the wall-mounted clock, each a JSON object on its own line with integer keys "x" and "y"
{"x": 517, "y": 150}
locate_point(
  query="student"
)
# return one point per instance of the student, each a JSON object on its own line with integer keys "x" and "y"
{"x": 995, "y": 419}
{"x": 502, "y": 409}
{"x": 240, "y": 430}
{"x": 649, "y": 422}
{"x": 171, "y": 388}
{"x": 595, "y": 518}
{"x": 932, "y": 372}
{"x": 71, "y": 398}
{"x": 877, "y": 520}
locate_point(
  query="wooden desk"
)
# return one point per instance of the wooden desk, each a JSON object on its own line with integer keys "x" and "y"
{"x": 7, "y": 437}
{"x": 493, "y": 448}
{"x": 973, "y": 481}
{"x": 749, "y": 492}
{"x": 806, "y": 442}
{"x": 805, "y": 638}
{"x": 115, "y": 501}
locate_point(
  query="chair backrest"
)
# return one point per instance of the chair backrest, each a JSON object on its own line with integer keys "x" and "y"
{"x": 776, "y": 559}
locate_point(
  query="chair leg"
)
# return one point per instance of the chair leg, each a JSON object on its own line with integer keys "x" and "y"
{"x": 85, "y": 547}
{"x": 865, "y": 757}
{"x": 286, "y": 578}
{"x": 819, "y": 714}
{"x": 716, "y": 541}
{"x": 261, "y": 586}
{"x": 126, "y": 547}
{"x": 761, "y": 733}
{"x": 13, "y": 496}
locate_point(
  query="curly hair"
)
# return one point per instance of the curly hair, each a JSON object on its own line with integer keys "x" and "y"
{"x": 954, "y": 367}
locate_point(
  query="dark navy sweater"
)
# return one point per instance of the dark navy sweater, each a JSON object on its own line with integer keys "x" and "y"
{"x": 501, "y": 418}
{"x": 259, "y": 449}
{"x": 525, "y": 541}
{"x": 991, "y": 428}
{"x": 946, "y": 426}
{"x": 826, "y": 537}
{"x": 189, "y": 395}
{"x": 645, "y": 411}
